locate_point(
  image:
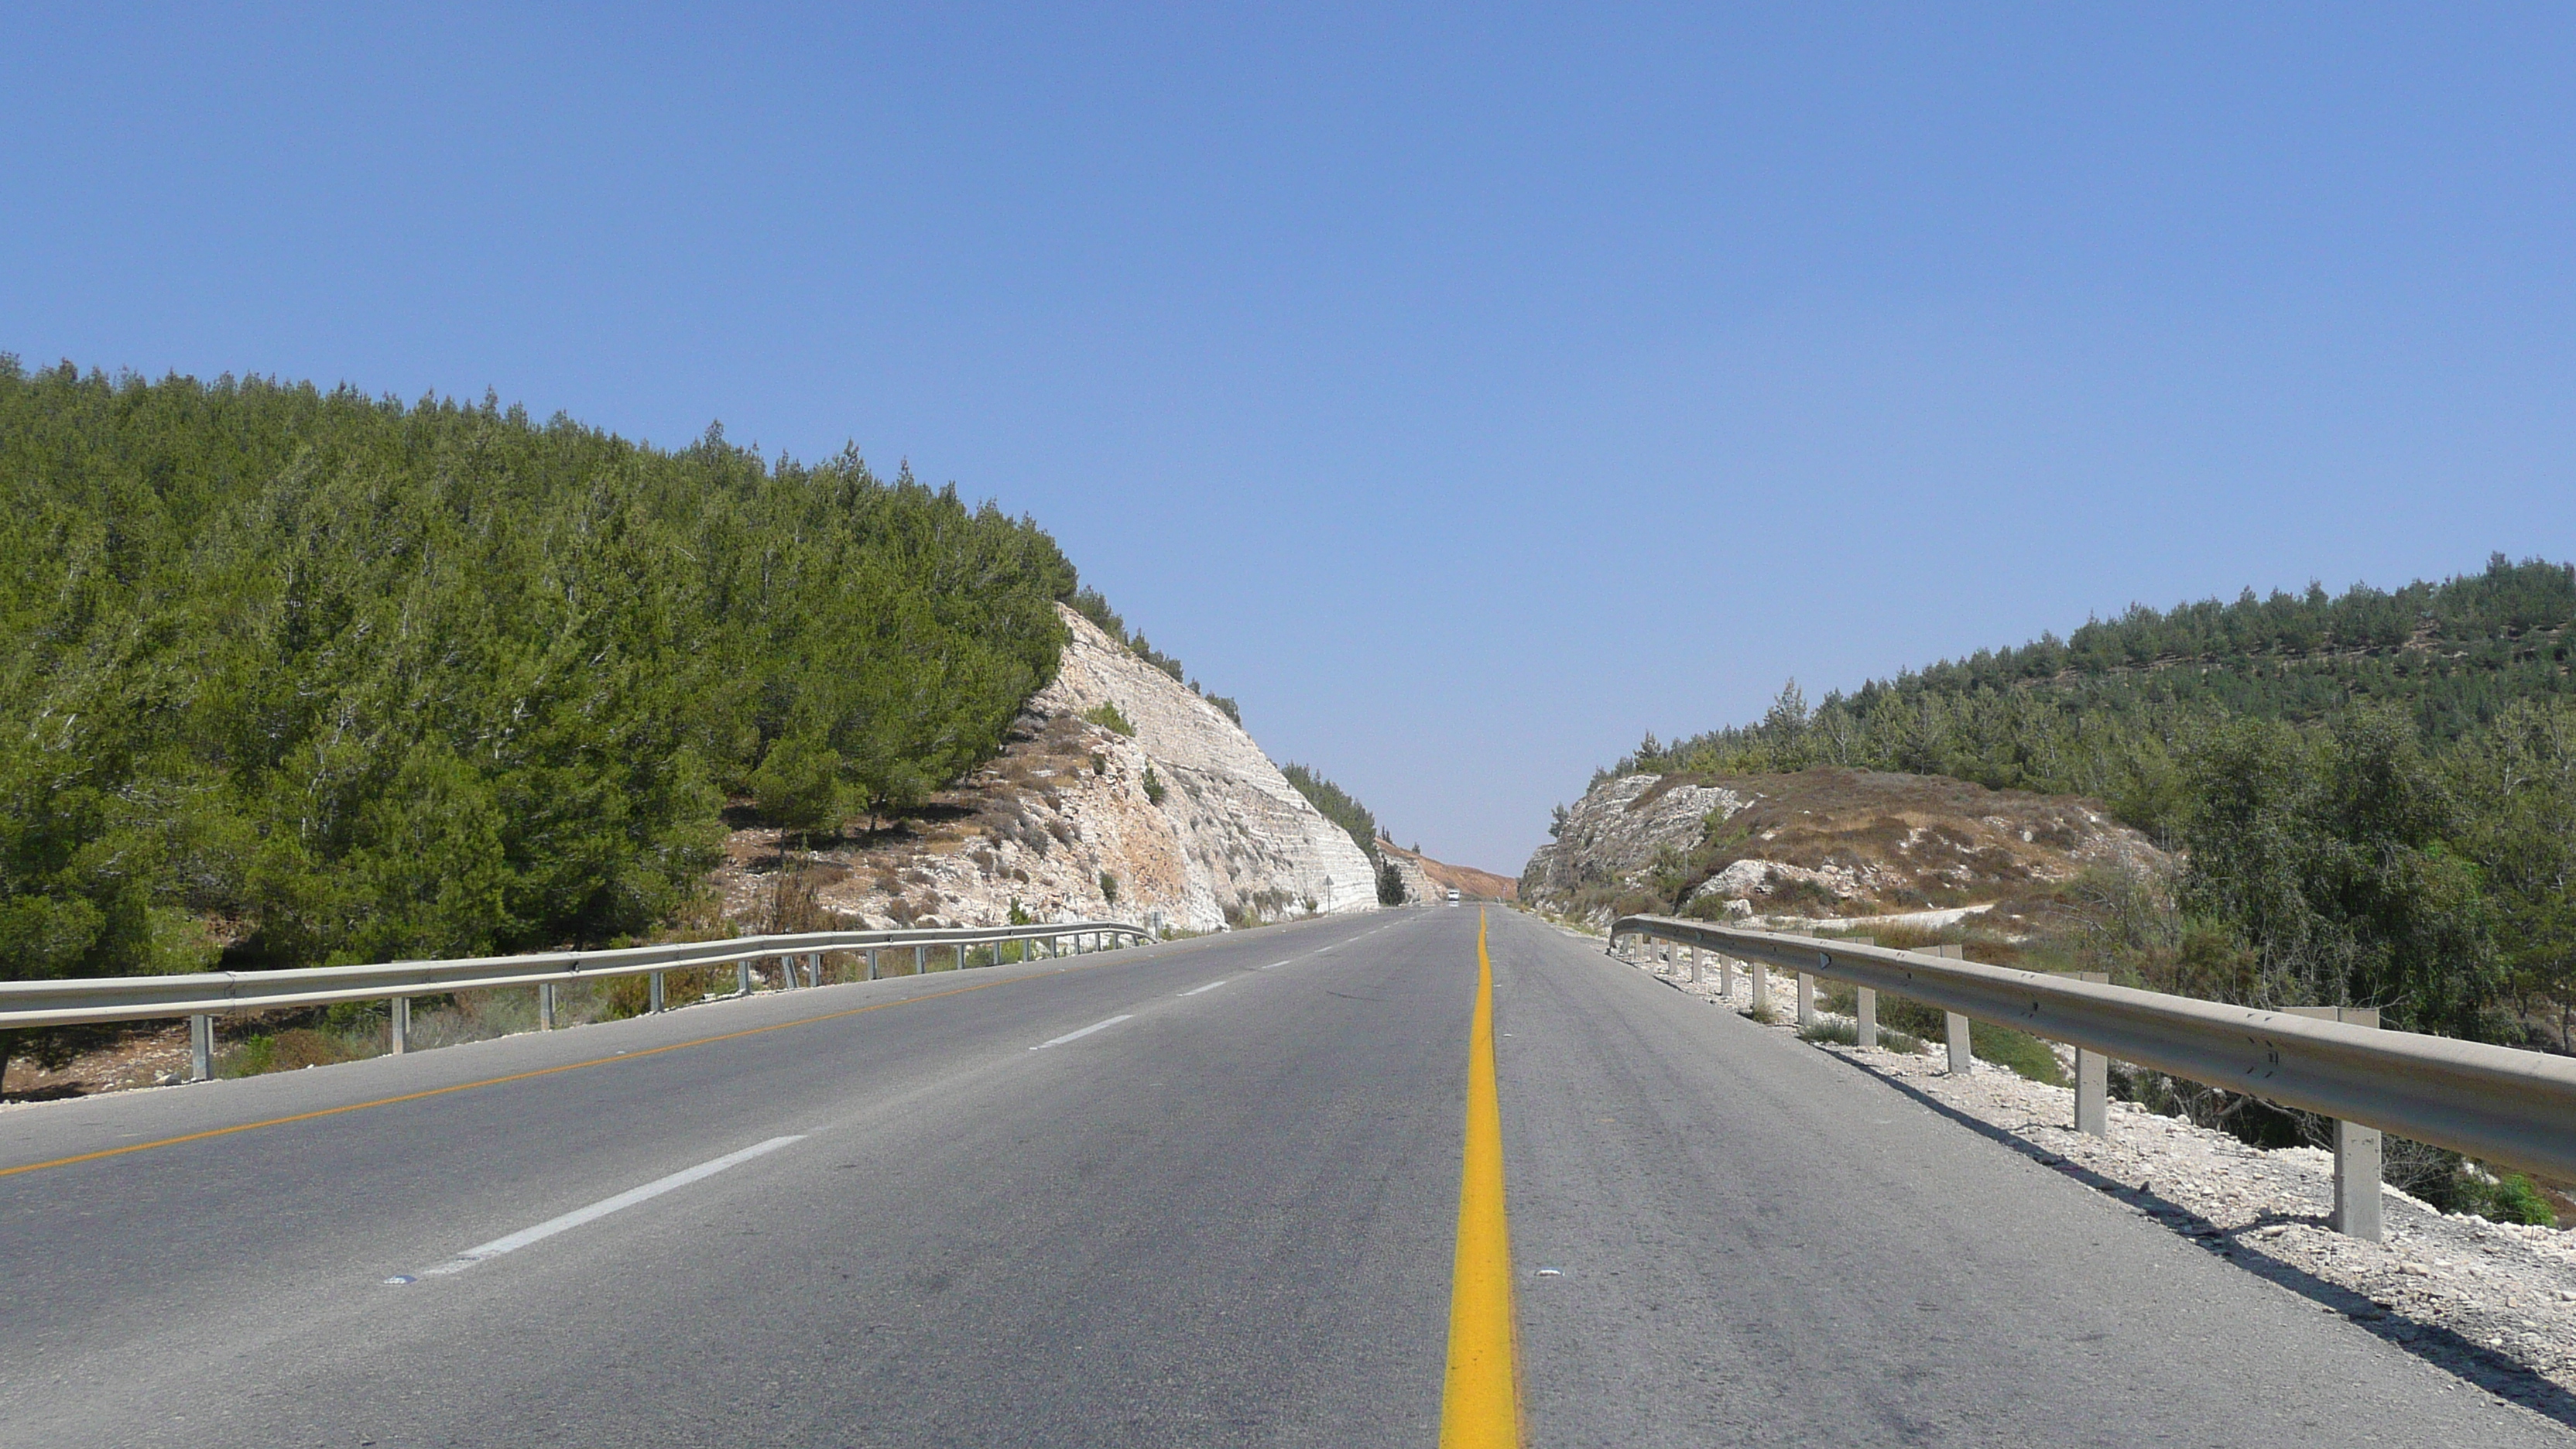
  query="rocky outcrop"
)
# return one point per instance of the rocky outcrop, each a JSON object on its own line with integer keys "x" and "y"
{"x": 1776, "y": 848}
{"x": 1419, "y": 887}
{"x": 1614, "y": 833}
{"x": 1119, "y": 793}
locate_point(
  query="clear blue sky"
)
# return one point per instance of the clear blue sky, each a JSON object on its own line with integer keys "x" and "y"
{"x": 1468, "y": 394}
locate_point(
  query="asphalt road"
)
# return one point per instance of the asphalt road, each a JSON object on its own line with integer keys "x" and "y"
{"x": 895, "y": 1214}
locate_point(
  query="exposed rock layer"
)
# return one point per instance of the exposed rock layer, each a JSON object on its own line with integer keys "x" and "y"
{"x": 1185, "y": 820}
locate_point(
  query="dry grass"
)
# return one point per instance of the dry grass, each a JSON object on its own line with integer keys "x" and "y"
{"x": 1900, "y": 842}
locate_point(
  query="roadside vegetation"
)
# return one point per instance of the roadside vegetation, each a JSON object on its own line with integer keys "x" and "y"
{"x": 296, "y": 677}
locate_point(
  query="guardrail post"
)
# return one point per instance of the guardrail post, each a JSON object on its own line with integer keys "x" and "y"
{"x": 2356, "y": 1181}
{"x": 1806, "y": 1001}
{"x": 401, "y": 1025}
{"x": 1694, "y": 964}
{"x": 920, "y": 960}
{"x": 653, "y": 991}
{"x": 872, "y": 963}
{"x": 2092, "y": 1080}
{"x": 2357, "y": 1149}
{"x": 545, "y": 1006}
{"x": 814, "y": 968}
{"x": 1864, "y": 1006}
{"x": 1726, "y": 976}
{"x": 1954, "y": 1027}
{"x": 201, "y": 1047}
{"x": 1761, "y": 987}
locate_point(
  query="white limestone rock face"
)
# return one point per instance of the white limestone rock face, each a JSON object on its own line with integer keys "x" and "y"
{"x": 1419, "y": 887}
{"x": 1185, "y": 823}
{"x": 1236, "y": 834}
{"x": 1615, "y": 832}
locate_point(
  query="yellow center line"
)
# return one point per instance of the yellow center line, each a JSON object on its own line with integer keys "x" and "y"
{"x": 1480, "y": 1400}
{"x": 630, "y": 1056}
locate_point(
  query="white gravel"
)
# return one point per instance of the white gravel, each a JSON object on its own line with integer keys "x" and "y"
{"x": 2493, "y": 1302}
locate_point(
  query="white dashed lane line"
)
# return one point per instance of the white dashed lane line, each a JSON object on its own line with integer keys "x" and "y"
{"x": 1086, "y": 1031}
{"x": 595, "y": 1211}
{"x": 1195, "y": 990}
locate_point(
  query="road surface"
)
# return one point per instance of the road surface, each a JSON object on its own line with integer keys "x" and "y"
{"x": 1204, "y": 1193}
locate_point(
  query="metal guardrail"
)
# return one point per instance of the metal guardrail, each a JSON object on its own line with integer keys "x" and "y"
{"x": 2496, "y": 1104}
{"x": 202, "y": 995}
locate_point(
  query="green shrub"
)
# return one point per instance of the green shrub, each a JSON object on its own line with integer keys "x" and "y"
{"x": 2514, "y": 1200}
{"x": 290, "y": 1050}
{"x": 2467, "y": 1188}
{"x": 799, "y": 786}
{"x": 1846, "y": 1032}
{"x": 2017, "y": 1050}
{"x": 1154, "y": 791}
{"x": 1108, "y": 717}
{"x": 626, "y": 996}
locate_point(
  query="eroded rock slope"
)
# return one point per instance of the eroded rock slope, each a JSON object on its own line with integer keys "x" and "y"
{"x": 1184, "y": 820}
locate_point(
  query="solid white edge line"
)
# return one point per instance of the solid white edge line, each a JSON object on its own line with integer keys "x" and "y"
{"x": 1086, "y": 1031}
{"x": 1211, "y": 986}
{"x": 1274, "y": 965}
{"x": 605, "y": 1206}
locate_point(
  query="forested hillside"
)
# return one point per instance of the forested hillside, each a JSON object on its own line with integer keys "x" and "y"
{"x": 2101, "y": 712}
{"x": 295, "y": 676}
{"x": 2376, "y": 793}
